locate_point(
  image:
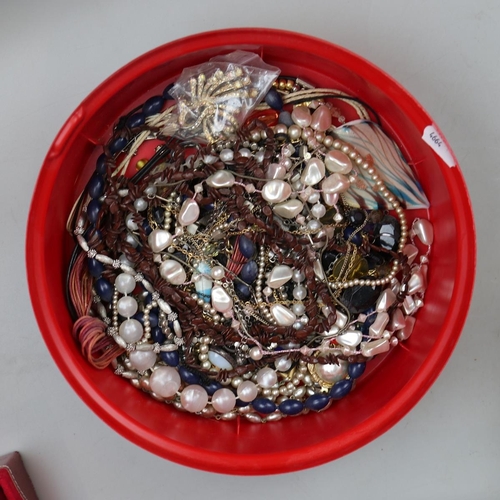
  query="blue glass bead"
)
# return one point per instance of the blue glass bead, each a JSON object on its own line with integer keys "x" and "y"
{"x": 188, "y": 376}
{"x": 153, "y": 105}
{"x": 341, "y": 389}
{"x": 101, "y": 166}
{"x": 389, "y": 232}
{"x": 241, "y": 404}
{"x": 95, "y": 187}
{"x": 249, "y": 271}
{"x": 356, "y": 217}
{"x": 117, "y": 145}
{"x": 171, "y": 358}
{"x": 96, "y": 268}
{"x": 285, "y": 118}
{"x": 153, "y": 317}
{"x": 263, "y": 405}
{"x": 365, "y": 327}
{"x": 291, "y": 407}
{"x": 92, "y": 232}
{"x": 136, "y": 120}
{"x": 157, "y": 335}
{"x": 317, "y": 402}
{"x": 212, "y": 386}
{"x": 274, "y": 99}
{"x": 356, "y": 239}
{"x": 355, "y": 370}
{"x": 158, "y": 214}
{"x": 104, "y": 289}
{"x": 147, "y": 227}
{"x": 242, "y": 291}
{"x": 93, "y": 209}
{"x": 247, "y": 247}
{"x": 166, "y": 92}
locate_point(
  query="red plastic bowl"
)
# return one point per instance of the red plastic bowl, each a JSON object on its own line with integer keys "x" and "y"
{"x": 380, "y": 399}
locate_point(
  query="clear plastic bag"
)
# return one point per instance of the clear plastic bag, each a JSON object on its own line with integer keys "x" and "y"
{"x": 214, "y": 98}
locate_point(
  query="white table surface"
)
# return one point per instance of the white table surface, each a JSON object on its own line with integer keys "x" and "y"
{"x": 55, "y": 52}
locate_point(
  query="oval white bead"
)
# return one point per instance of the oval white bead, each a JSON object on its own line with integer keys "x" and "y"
{"x": 424, "y": 230}
{"x": 337, "y": 161}
{"x": 159, "y": 239}
{"x": 279, "y": 275}
{"x": 221, "y": 300}
{"x": 313, "y": 172}
{"x": 276, "y": 191}
{"x": 221, "y": 179}
{"x": 219, "y": 361}
{"x": 283, "y": 315}
{"x": 288, "y": 209}
{"x": 189, "y": 212}
{"x": 173, "y": 272}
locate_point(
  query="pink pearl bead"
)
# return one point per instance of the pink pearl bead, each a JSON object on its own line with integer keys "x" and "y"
{"x": 321, "y": 119}
{"x": 194, "y": 398}
{"x": 266, "y": 377}
{"x": 165, "y": 381}
{"x": 223, "y": 400}
{"x": 247, "y": 391}
{"x": 142, "y": 360}
{"x": 301, "y": 116}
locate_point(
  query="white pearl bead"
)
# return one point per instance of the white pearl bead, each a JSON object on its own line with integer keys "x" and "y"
{"x": 299, "y": 292}
{"x": 332, "y": 372}
{"x": 173, "y": 272}
{"x": 424, "y": 230}
{"x": 275, "y": 171}
{"x": 266, "y": 377}
{"x": 142, "y": 360}
{"x": 378, "y": 326}
{"x": 140, "y": 204}
{"x": 256, "y": 353}
{"x": 276, "y": 191}
{"x": 283, "y": 364}
{"x": 247, "y": 391}
{"x": 127, "y": 306}
{"x": 221, "y": 179}
{"x": 313, "y": 172}
{"x": 369, "y": 349}
{"x": 336, "y": 161}
{"x": 221, "y": 300}
{"x": 335, "y": 184}
{"x": 194, "y": 398}
{"x": 318, "y": 210}
{"x": 129, "y": 222}
{"x": 298, "y": 309}
{"x": 131, "y": 331}
{"x": 288, "y": 209}
{"x": 125, "y": 283}
{"x": 279, "y": 275}
{"x": 159, "y": 239}
{"x": 351, "y": 338}
{"x": 385, "y": 300}
{"x": 217, "y": 272}
{"x": 165, "y": 381}
{"x": 226, "y": 155}
{"x": 189, "y": 212}
{"x": 223, "y": 400}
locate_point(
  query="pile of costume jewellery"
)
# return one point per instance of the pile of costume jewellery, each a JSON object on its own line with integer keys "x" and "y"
{"x": 258, "y": 259}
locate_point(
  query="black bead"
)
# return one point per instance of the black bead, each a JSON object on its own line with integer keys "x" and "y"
{"x": 274, "y": 99}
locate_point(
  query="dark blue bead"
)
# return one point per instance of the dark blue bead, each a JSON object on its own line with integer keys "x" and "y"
{"x": 93, "y": 209}
{"x": 274, "y": 99}
{"x": 355, "y": 370}
{"x": 96, "y": 268}
{"x": 263, "y": 405}
{"x": 241, "y": 404}
{"x": 212, "y": 386}
{"x": 159, "y": 215}
{"x": 341, "y": 389}
{"x": 101, "y": 166}
{"x": 242, "y": 291}
{"x": 153, "y": 105}
{"x": 104, "y": 289}
{"x": 356, "y": 239}
{"x": 249, "y": 271}
{"x": 317, "y": 402}
{"x": 116, "y": 145}
{"x": 291, "y": 407}
{"x": 285, "y": 118}
{"x": 147, "y": 227}
{"x": 356, "y": 217}
{"x": 171, "y": 358}
{"x": 166, "y": 92}
{"x": 188, "y": 376}
{"x": 95, "y": 187}
{"x": 247, "y": 247}
{"x": 157, "y": 335}
{"x": 153, "y": 318}
{"x": 136, "y": 120}
{"x": 365, "y": 327}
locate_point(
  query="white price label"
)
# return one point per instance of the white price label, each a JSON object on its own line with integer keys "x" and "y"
{"x": 432, "y": 137}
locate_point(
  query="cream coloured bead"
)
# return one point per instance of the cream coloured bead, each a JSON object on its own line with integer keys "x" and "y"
{"x": 159, "y": 239}
{"x": 288, "y": 209}
{"x": 173, "y": 272}
{"x": 276, "y": 191}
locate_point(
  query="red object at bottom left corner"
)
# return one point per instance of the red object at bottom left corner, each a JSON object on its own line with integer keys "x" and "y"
{"x": 15, "y": 484}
